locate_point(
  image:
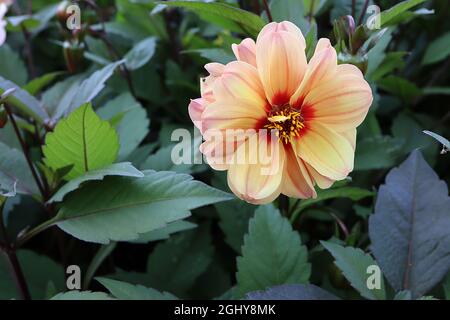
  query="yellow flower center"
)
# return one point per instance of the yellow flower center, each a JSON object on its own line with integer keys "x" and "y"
{"x": 287, "y": 121}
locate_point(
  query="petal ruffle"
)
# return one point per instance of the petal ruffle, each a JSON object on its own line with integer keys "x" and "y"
{"x": 245, "y": 51}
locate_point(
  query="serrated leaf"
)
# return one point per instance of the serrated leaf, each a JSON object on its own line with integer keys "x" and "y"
{"x": 409, "y": 230}
{"x": 223, "y": 11}
{"x": 292, "y": 292}
{"x": 272, "y": 254}
{"x": 11, "y": 66}
{"x": 15, "y": 173}
{"x": 82, "y": 295}
{"x": 141, "y": 53}
{"x": 23, "y": 101}
{"x": 234, "y": 217}
{"x": 126, "y": 291}
{"x": 82, "y": 140}
{"x": 124, "y": 169}
{"x": 122, "y": 208}
{"x": 133, "y": 125}
{"x": 86, "y": 91}
{"x": 354, "y": 263}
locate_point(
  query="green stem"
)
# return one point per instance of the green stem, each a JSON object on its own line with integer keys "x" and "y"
{"x": 35, "y": 231}
{"x": 283, "y": 202}
{"x": 25, "y": 151}
{"x": 266, "y": 7}
{"x": 10, "y": 253}
{"x": 294, "y": 213}
{"x": 100, "y": 256}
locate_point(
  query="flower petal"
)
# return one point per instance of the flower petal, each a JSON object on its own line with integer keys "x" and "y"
{"x": 232, "y": 114}
{"x": 342, "y": 102}
{"x": 239, "y": 81}
{"x": 245, "y": 51}
{"x": 322, "y": 65}
{"x": 206, "y": 84}
{"x": 321, "y": 181}
{"x": 281, "y": 60}
{"x": 326, "y": 151}
{"x": 297, "y": 182}
{"x": 258, "y": 178}
{"x": 195, "y": 109}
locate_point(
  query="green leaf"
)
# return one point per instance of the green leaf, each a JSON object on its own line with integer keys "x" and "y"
{"x": 400, "y": 87}
{"x": 247, "y": 20}
{"x": 162, "y": 161}
{"x": 289, "y": 10}
{"x": 353, "y": 193}
{"x": 124, "y": 169}
{"x": 272, "y": 254}
{"x": 165, "y": 232}
{"x": 439, "y": 138}
{"x": 82, "y": 140}
{"x": 141, "y": 53}
{"x": 377, "y": 152}
{"x": 40, "y": 272}
{"x": 22, "y": 100}
{"x": 214, "y": 54}
{"x": 82, "y": 295}
{"x": 409, "y": 229}
{"x": 175, "y": 264}
{"x": 97, "y": 213}
{"x": 15, "y": 173}
{"x": 16, "y": 23}
{"x": 438, "y": 50}
{"x": 36, "y": 85}
{"x": 388, "y": 15}
{"x": 436, "y": 90}
{"x": 126, "y": 291}
{"x": 354, "y": 263}
{"x": 133, "y": 125}
{"x": 405, "y": 127}
{"x": 86, "y": 91}
{"x": 234, "y": 217}
{"x": 292, "y": 292}
{"x": 11, "y": 66}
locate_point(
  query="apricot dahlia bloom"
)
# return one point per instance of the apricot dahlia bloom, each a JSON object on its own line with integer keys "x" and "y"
{"x": 314, "y": 107}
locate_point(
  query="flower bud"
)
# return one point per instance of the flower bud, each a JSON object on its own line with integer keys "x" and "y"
{"x": 74, "y": 55}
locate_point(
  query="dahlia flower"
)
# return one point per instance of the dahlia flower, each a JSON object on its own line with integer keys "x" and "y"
{"x": 313, "y": 107}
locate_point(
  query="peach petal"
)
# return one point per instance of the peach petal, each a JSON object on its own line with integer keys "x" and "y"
{"x": 281, "y": 61}
{"x": 326, "y": 151}
{"x": 297, "y": 181}
{"x": 258, "y": 182}
{"x": 245, "y": 51}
